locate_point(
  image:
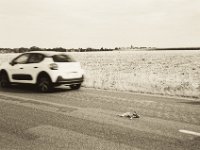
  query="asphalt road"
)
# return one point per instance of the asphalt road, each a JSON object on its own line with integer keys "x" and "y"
{"x": 88, "y": 119}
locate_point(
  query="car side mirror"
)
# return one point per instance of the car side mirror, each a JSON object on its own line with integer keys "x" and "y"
{"x": 12, "y": 63}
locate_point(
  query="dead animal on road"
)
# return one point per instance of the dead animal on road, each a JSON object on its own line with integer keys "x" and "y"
{"x": 129, "y": 115}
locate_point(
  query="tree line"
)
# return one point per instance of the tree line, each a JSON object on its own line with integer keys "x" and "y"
{"x": 57, "y": 49}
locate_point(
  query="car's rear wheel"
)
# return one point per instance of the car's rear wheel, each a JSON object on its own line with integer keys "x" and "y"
{"x": 75, "y": 86}
{"x": 44, "y": 84}
{"x": 4, "y": 80}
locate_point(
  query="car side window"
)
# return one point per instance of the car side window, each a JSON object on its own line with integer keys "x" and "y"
{"x": 63, "y": 58}
{"x": 22, "y": 59}
{"x": 35, "y": 58}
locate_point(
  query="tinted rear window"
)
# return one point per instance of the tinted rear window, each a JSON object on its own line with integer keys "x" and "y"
{"x": 62, "y": 58}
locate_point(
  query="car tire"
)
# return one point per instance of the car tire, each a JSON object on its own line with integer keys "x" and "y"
{"x": 4, "y": 80}
{"x": 44, "y": 84}
{"x": 75, "y": 86}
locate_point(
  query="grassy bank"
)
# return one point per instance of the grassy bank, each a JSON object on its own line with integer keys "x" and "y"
{"x": 175, "y": 73}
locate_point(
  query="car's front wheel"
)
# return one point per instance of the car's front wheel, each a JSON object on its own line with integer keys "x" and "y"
{"x": 4, "y": 80}
{"x": 75, "y": 86}
{"x": 44, "y": 84}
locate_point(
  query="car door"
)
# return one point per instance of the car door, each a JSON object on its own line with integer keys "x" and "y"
{"x": 18, "y": 69}
{"x": 34, "y": 65}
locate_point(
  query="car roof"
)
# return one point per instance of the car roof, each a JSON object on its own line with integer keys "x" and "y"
{"x": 47, "y": 53}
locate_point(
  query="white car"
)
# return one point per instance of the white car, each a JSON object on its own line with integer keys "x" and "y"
{"x": 44, "y": 69}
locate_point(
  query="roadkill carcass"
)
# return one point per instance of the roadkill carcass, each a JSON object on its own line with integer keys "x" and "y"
{"x": 129, "y": 115}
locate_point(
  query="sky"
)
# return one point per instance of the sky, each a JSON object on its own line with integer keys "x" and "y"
{"x": 99, "y": 23}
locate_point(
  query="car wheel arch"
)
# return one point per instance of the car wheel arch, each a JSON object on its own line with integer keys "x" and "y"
{"x": 43, "y": 73}
{"x": 4, "y": 71}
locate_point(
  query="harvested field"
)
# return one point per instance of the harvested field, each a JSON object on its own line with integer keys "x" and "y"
{"x": 175, "y": 73}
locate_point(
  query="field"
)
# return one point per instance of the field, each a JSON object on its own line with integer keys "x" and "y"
{"x": 175, "y": 73}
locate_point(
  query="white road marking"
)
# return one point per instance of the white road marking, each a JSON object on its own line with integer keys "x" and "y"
{"x": 190, "y": 132}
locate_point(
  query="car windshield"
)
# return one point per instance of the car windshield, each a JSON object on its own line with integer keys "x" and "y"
{"x": 22, "y": 59}
{"x": 62, "y": 58}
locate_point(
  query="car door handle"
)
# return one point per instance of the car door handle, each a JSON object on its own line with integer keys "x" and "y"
{"x": 35, "y": 67}
{"x": 21, "y": 68}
